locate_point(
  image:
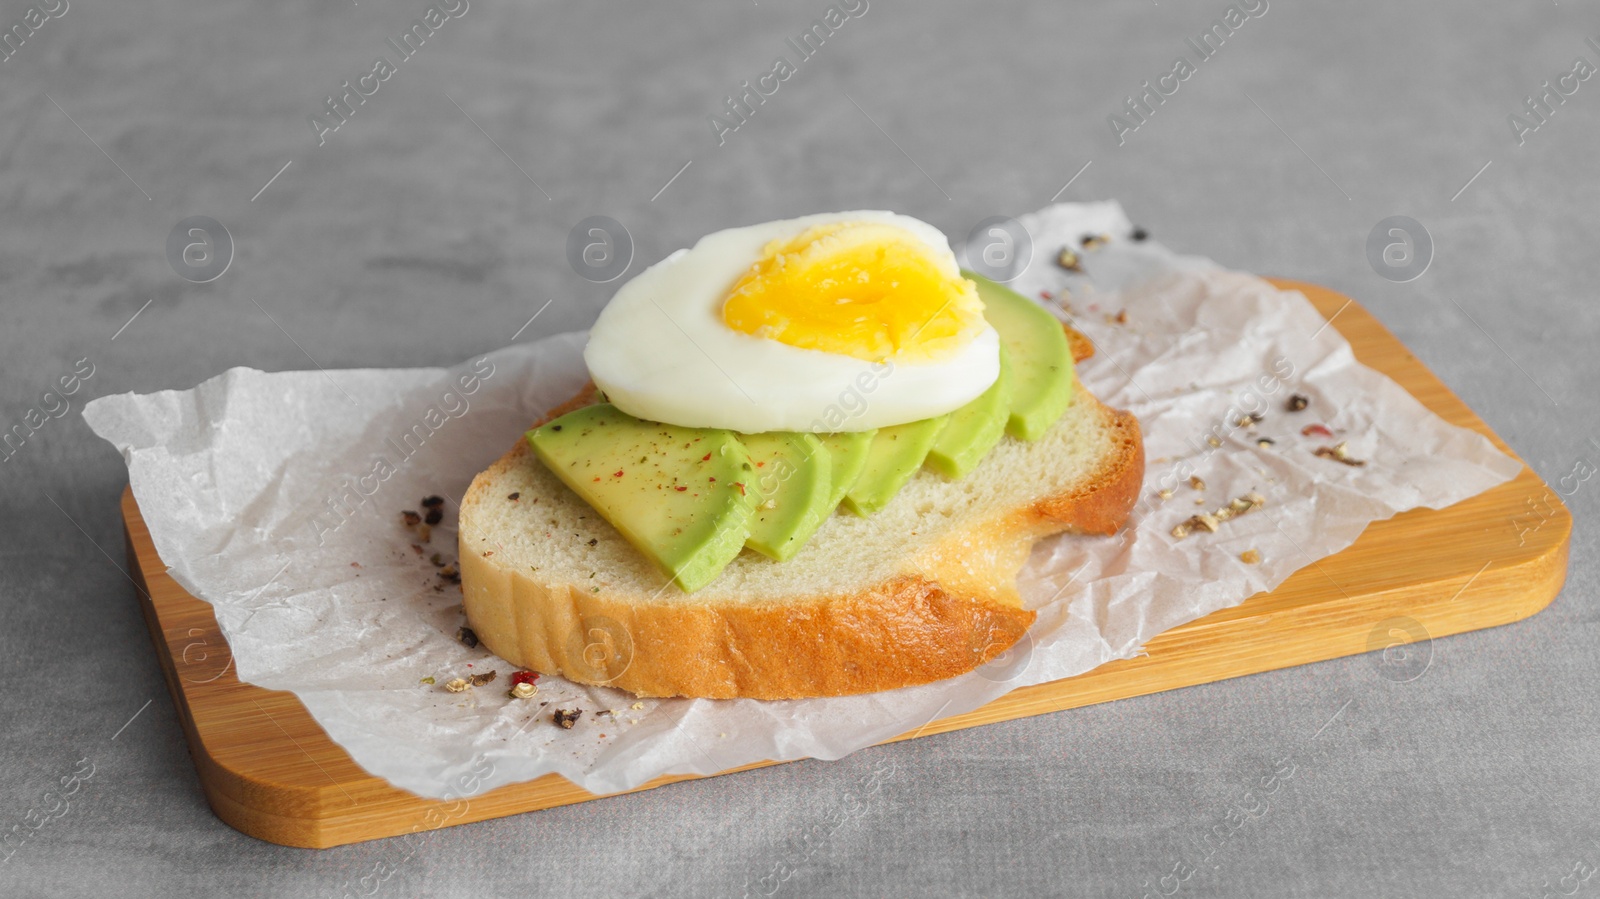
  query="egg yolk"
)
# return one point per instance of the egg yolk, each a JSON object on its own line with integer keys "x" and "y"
{"x": 863, "y": 289}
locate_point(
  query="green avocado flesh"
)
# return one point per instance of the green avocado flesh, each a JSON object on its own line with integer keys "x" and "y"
{"x": 679, "y": 495}
{"x": 1041, "y": 358}
{"x": 974, "y": 429}
{"x": 849, "y": 452}
{"x": 792, "y": 481}
{"x": 691, "y": 498}
{"x": 895, "y": 455}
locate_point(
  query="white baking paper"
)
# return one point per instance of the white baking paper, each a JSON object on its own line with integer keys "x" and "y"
{"x": 276, "y": 498}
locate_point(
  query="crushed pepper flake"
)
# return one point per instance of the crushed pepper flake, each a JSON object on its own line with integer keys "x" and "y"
{"x": 1339, "y": 452}
{"x": 1210, "y": 521}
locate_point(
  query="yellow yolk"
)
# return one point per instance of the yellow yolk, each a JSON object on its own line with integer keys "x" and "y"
{"x": 862, "y": 289}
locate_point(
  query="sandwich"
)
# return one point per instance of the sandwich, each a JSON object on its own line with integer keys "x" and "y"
{"x": 812, "y": 460}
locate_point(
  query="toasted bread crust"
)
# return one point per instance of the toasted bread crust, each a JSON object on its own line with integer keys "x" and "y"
{"x": 927, "y": 623}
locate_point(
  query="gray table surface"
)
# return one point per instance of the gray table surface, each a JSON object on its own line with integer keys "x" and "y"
{"x": 434, "y": 223}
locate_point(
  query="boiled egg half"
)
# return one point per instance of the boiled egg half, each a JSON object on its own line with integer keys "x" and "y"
{"x": 837, "y": 322}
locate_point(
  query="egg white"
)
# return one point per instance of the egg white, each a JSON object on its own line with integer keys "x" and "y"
{"x": 661, "y": 351}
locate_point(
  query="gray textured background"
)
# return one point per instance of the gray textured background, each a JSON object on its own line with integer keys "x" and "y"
{"x": 410, "y": 239}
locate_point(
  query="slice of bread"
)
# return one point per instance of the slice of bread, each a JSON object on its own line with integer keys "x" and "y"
{"x": 923, "y": 590}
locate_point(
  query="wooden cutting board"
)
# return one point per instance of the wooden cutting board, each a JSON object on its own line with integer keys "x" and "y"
{"x": 269, "y": 770}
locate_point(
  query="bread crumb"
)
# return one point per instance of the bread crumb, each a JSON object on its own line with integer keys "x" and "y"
{"x": 457, "y": 685}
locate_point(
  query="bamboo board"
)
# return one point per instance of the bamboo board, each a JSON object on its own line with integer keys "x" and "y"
{"x": 270, "y": 771}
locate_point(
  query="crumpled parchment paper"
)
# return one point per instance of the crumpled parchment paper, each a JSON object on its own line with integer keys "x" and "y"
{"x": 277, "y": 498}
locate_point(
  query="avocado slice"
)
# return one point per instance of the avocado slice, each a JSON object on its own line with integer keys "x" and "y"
{"x": 894, "y": 456}
{"x": 849, "y": 452}
{"x": 1041, "y": 360}
{"x": 975, "y": 428}
{"x": 792, "y": 481}
{"x": 679, "y": 495}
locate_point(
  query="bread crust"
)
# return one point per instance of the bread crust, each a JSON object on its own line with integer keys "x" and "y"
{"x": 926, "y": 623}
